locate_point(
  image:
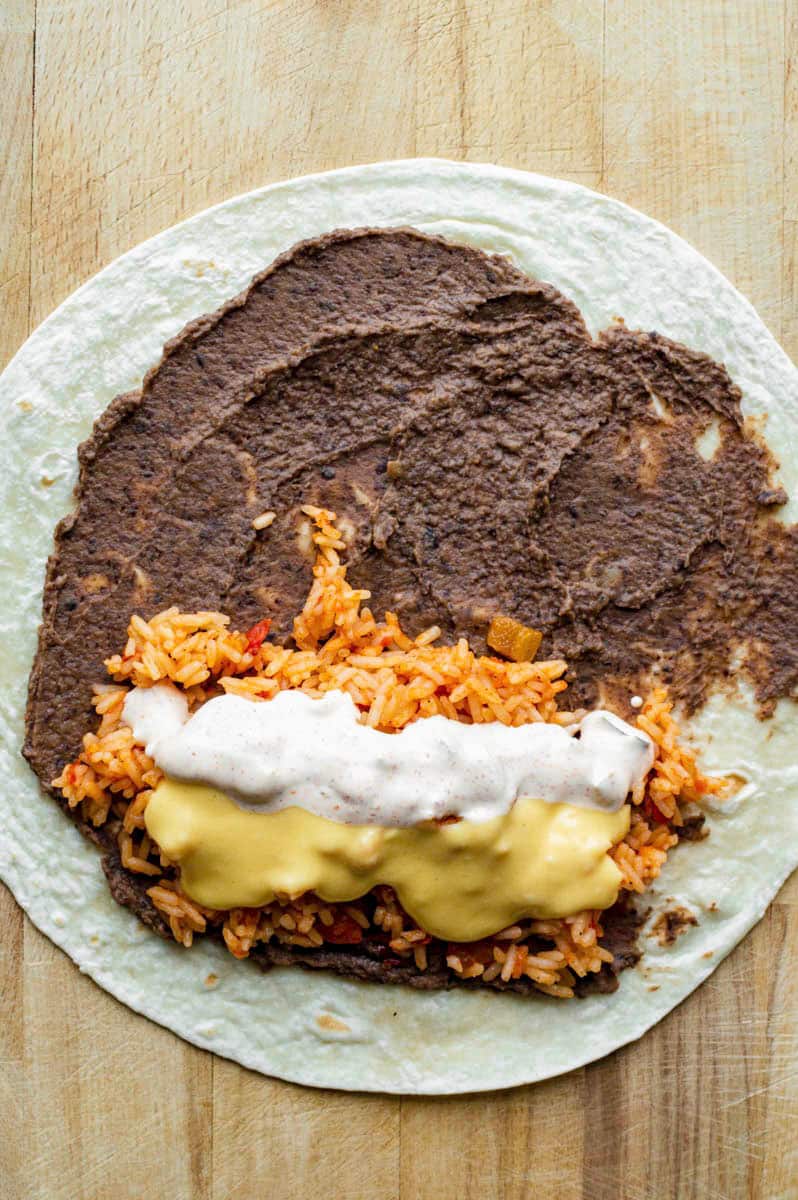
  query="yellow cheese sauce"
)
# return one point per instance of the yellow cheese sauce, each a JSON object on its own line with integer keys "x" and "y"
{"x": 459, "y": 881}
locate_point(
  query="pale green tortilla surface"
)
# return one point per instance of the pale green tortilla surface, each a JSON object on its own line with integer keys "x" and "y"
{"x": 613, "y": 262}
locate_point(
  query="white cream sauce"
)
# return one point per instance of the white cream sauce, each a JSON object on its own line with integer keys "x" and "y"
{"x": 315, "y": 754}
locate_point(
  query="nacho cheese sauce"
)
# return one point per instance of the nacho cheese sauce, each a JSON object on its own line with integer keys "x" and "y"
{"x": 295, "y": 795}
{"x": 459, "y": 881}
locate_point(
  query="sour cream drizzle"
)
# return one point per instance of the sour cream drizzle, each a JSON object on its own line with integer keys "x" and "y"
{"x": 314, "y": 754}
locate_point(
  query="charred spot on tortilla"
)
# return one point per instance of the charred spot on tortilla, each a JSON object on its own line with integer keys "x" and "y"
{"x": 603, "y": 497}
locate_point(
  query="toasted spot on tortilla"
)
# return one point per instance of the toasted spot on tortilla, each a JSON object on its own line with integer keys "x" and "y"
{"x": 331, "y": 1024}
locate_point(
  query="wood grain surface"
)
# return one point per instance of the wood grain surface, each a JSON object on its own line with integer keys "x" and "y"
{"x": 120, "y": 117}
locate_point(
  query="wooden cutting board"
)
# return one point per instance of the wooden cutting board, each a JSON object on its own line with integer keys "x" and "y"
{"x": 118, "y": 118}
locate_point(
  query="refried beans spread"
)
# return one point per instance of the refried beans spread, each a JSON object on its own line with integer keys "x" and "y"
{"x": 484, "y": 455}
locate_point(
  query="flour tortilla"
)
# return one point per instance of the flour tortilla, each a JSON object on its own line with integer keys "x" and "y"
{"x": 611, "y": 261}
